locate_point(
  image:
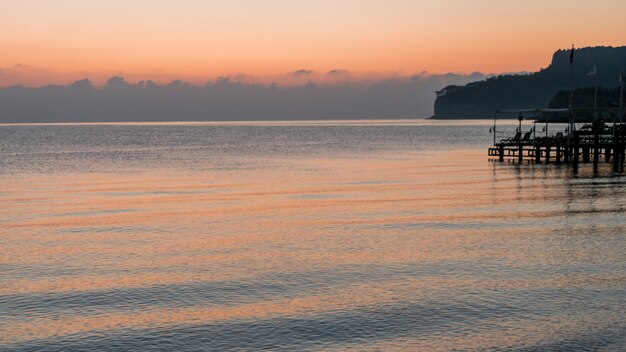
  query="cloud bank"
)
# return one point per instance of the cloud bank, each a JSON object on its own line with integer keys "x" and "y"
{"x": 302, "y": 94}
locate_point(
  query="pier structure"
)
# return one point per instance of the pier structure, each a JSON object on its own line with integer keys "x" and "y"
{"x": 568, "y": 136}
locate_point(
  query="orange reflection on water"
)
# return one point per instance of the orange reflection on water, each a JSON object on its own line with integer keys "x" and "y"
{"x": 356, "y": 218}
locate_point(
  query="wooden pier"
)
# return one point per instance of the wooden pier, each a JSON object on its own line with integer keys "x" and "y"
{"x": 594, "y": 140}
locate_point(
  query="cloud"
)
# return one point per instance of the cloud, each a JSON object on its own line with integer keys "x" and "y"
{"x": 240, "y": 97}
{"x": 302, "y": 72}
{"x": 82, "y": 84}
{"x": 116, "y": 82}
{"x": 338, "y": 72}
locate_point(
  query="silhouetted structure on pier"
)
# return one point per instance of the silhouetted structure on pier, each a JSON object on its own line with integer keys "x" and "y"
{"x": 589, "y": 135}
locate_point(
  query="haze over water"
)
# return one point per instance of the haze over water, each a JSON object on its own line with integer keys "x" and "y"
{"x": 338, "y": 236}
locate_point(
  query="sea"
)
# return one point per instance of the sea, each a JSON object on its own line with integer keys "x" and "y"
{"x": 382, "y": 235}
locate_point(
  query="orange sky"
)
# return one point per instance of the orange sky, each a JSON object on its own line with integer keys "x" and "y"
{"x": 59, "y": 41}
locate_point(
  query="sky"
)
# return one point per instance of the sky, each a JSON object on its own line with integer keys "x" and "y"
{"x": 59, "y": 41}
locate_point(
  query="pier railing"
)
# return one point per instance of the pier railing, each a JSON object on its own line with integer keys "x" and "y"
{"x": 592, "y": 142}
{"x": 591, "y": 135}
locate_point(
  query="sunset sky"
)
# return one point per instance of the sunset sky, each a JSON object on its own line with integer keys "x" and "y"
{"x": 63, "y": 40}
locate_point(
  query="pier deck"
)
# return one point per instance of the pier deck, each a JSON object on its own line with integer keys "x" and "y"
{"x": 594, "y": 142}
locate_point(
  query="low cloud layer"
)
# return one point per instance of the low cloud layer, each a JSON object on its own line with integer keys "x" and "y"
{"x": 302, "y": 94}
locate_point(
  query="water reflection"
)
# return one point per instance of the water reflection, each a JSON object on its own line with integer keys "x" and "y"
{"x": 302, "y": 237}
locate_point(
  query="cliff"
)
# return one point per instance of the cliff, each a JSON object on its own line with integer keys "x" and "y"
{"x": 534, "y": 90}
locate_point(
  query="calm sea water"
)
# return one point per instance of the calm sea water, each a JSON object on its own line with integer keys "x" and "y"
{"x": 330, "y": 236}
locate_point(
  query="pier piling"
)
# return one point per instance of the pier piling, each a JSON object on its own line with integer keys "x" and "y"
{"x": 604, "y": 137}
{"x": 537, "y": 154}
{"x": 616, "y": 150}
{"x": 596, "y": 148}
{"x": 576, "y": 150}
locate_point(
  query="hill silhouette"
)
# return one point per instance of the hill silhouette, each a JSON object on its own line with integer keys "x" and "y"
{"x": 606, "y": 98}
{"x": 534, "y": 90}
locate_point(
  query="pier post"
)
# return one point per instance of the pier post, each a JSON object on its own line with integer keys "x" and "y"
{"x": 622, "y": 150}
{"x": 586, "y": 152}
{"x": 520, "y": 154}
{"x": 537, "y": 154}
{"x": 501, "y": 153}
{"x": 576, "y": 151}
{"x": 617, "y": 152}
{"x": 566, "y": 152}
{"x": 558, "y": 154}
{"x": 596, "y": 149}
{"x": 607, "y": 154}
{"x": 547, "y": 154}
